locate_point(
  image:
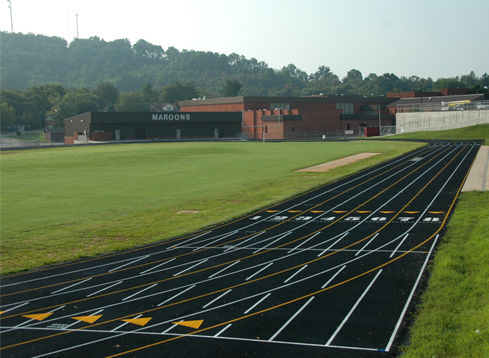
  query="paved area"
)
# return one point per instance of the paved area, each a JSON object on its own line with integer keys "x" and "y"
{"x": 478, "y": 178}
{"x": 331, "y": 273}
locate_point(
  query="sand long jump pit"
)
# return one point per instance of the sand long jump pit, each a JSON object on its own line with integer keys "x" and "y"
{"x": 338, "y": 163}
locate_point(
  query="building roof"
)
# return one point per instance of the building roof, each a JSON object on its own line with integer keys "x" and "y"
{"x": 436, "y": 99}
{"x": 305, "y": 99}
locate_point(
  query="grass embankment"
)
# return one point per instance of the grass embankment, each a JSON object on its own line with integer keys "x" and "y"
{"x": 480, "y": 131}
{"x": 453, "y": 320}
{"x": 63, "y": 204}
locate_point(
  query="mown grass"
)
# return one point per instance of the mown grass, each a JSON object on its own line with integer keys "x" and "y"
{"x": 453, "y": 319}
{"x": 63, "y": 204}
{"x": 480, "y": 131}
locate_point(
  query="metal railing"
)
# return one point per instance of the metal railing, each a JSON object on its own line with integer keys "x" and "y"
{"x": 442, "y": 106}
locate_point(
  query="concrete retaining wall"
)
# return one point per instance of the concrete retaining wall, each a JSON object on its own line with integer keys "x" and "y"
{"x": 435, "y": 121}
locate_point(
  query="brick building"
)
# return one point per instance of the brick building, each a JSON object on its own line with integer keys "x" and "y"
{"x": 285, "y": 117}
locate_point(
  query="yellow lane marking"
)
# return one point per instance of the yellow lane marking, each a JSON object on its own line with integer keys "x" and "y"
{"x": 436, "y": 212}
{"x": 2, "y": 312}
{"x": 139, "y": 321}
{"x": 87, "y": 319}
{"x": 39, "y": 316}
{"x": 339, "y": 211}
{"x": 295, "y": 211}
{"x": 191, "y": 324}
{"x": 313, "y": 293}
{"x": 412, "y": 212}
{"x": 273, "y": 211}
{"x": 290, "y": 268}
{"x": 387, "y": 212}
{"x": 317, "y": 211}
{"x": 363, "y": 211}
{"x": 194, "y": 272}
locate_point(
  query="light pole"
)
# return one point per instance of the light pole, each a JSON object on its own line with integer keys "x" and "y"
{"x": 11, "y": 22}
{"x": 77, "y": 26}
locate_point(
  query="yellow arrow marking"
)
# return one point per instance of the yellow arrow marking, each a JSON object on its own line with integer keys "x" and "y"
{"x": 317, "y": 211}
{"x": 339, "y": 212}
{"x": 387, "y": 212}
{"x": 272, "y": 211}
{"x": 191, "y": 324}
{"x": 39, "y": 316}
{"x": 87, "y": 319}
{"x": 436, "y": 212}
{"x": 412, "y": 212}
{"x": 138, "y": 321}
{"x": 363, "y": 212}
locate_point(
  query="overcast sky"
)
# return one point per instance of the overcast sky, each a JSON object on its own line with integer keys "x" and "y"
{"x": 435, "y": 38}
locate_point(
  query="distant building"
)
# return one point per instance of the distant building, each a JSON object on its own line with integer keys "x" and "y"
{"x": 285, "y": 117}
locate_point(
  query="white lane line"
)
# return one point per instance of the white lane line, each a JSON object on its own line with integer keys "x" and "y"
{"x": 333, "y": 277}
{"x": 130, "y": 263}
{"x": 189, "y": 268}
{"x": 291, "y": 319}
{"x": 217, "y": 298}
{"x": 353, "y": 309}
{"x": 236, "y": 247}
{"x": 369, "y": 241}
{"x": 302, "y": 243}
{"x": 222, "y": 330}
{"x": 178, "y": 294}
{"x": 154, "y": 267}
{"x": 260, "y": 270}
{"x": 334, "y": 243}
{"x": 398, "y": 246}
{"x": 408, "y": 301}
{"x": 271, "y": 243}
{"x": 291, "y": 277}
{"x": 193, "y": 238}
{"x": 103, "y": 289}
{"x": 257, "y": 303}
{"x": 10, "y": 309}
{"x": 65, "y": 288}
{"x": 170, "y": 328}
{"x": 219, "y": 239}
{"x": 137, "y": 293}
{"x": 122, "y": 325}
{"x": 224, "y": 269}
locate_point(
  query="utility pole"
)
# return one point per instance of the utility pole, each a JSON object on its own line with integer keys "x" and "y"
{"x": 11, "y": 22}
{"x": 77, "y": 26}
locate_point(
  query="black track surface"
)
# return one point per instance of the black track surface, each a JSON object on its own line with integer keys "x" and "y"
{"x": 330, "y": 273}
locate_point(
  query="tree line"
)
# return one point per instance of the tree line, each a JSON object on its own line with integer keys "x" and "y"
{"x": 43, "y": 76}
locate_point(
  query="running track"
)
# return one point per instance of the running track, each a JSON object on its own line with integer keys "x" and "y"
{"x": 330, "y": 273}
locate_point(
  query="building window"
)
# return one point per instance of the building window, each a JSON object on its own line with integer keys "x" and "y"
{"x": 279, "y": 105}
{"x": 348, "y": 107}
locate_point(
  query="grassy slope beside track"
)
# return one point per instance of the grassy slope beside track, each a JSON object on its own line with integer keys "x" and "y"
{"x": 62, "y": 204}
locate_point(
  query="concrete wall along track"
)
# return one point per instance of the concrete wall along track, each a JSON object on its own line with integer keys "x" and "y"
{"x": 435, "y": 121}
{"x": 330, "y": 273}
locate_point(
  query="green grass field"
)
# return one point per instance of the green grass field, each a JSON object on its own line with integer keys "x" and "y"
{"x": 62, "y": 204}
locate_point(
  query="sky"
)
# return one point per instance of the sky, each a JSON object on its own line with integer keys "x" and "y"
{"x": 426, "y": 38}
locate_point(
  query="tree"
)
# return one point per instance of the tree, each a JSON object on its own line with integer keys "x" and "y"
{"x": 131, "y": 102}
{"x": 107, "y": 92}
{"x": 230, "y": 88}
{"x": 149, "y": 94}
{"x": 7, "y": 114}
{"x": 353, "y": 75}
{"x": 77, "y": 102}
{"x": 178, "y": 92}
